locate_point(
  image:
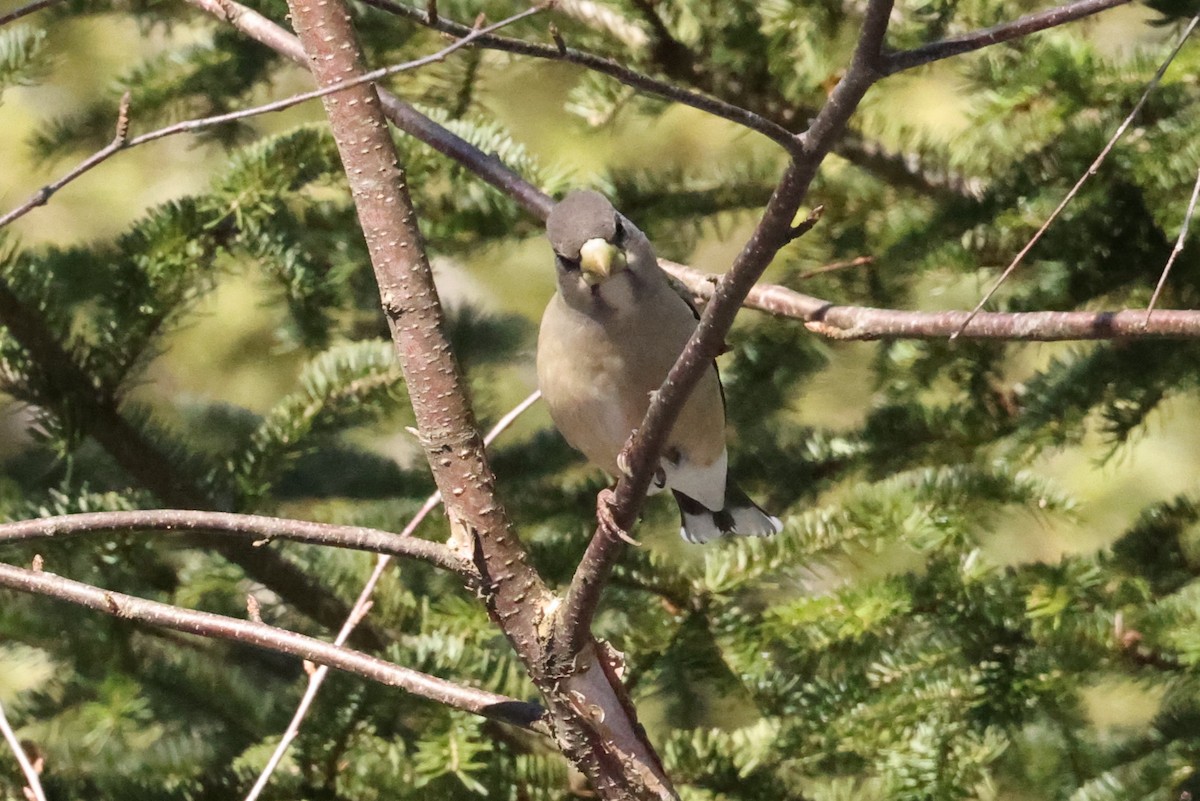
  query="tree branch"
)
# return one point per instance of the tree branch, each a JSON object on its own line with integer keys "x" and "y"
{"x": 631, "y": 78}
{"x": 863, "y": 322}
{"x": 362, "y": 605}
{"x": 33, "y": 785}
{"x": 255, "y": 527}
{"x": 122, "y": 141}
{"x": 260, "y": 635}
{"x": 593, "y": 723}
{"x": 1004, "y": 32}
{"x": 25, "y": 10}
{"x": 774, "y": 230}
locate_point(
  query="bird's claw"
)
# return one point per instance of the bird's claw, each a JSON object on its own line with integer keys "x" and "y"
{"x": 604, "y": 514}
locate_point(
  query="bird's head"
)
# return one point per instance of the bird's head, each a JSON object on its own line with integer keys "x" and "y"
{"x": 600, "y": 255}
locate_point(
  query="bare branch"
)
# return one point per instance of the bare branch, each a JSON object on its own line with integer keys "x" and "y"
{"x": 255, "y": 527}
{"x": 1004, "y": 32}
{"x": 863, "y": 322}
{"x": 260, "y": 635}
{"x": 774, "y": 230}
{"x": 595, "y": 726}
{"x": 1175, "y": 251}
{"x": 121, "y": 140}
{"x": 1091, "y": 170}
{"x": 632, "y": 78}
{"x": 33, "y": 785}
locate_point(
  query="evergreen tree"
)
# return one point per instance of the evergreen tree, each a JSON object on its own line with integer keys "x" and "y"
{"x": 910, "y": 635}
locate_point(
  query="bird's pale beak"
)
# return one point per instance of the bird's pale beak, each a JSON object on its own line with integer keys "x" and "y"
{"x": 599, "y": 259}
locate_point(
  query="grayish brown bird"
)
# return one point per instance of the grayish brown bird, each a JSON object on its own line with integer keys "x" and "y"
{"x": 608, "y": 338}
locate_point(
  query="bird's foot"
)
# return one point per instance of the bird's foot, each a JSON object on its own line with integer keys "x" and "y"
{"x": 605, "y": 502}
{"x": 623, "y": 458}
{"x": 660, "y": 475}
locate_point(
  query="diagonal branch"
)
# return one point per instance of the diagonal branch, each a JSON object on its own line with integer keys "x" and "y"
{"x": 33, "y": 785}
{"x": 1004, "y": 32}
{"x": 123, "y": 142}
{"x": 255, "y": 527}
{"x": 593, "y": 723}
{"x": 774, "y": 230}
{"x": 605, "y": 66}
{"x": 260, "y": 635}
{"x": 25, "y": 10}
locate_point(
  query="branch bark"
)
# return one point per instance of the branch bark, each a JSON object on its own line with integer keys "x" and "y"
{"x": 1004, "y": 32}
{"x": 255, "y": 527}
{"x": 260, "y": 635}
{"x": 833, "y": 320}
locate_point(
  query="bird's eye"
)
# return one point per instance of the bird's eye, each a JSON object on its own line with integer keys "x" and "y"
{"x": 619, "y": 238}
{"x": 570, "y": 265}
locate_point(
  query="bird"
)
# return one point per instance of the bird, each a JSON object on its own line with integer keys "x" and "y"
{"x": 611, "y": 332}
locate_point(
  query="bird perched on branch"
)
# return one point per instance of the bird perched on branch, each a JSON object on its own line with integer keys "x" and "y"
{"x": 608, "y": 338}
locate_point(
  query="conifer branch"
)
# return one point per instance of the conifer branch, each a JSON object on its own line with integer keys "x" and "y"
{"x": 1004, "y": 32}
{"x": 401, "y": 114}
{"x": 260, "y": 635}
{"x": 260, "y": 529}
{"x": 774, "y": 230}
{"x": 122, "y": 141}
{"x": 33, "y": 785}
{"x": 99, "y": 413}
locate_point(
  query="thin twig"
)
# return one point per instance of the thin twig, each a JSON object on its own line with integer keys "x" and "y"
{"x": 33, "y": 786}
{"x": 1004, "y": 32}
{"x": 121, "y": 141}
{"x": 25, "y": 10}
{"x": 1091, "y": 170}
{"x": 834, "y": 267}
{"x": 260, "y": 635}
{"x": 1175, "y": 251}
{"x": 256, "y": 527}
{"x": 360, "y": 609}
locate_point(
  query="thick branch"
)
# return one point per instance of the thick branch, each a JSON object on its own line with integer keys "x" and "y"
{"x": 255, "y": 527}
{"x": 1004, "y": 32}
{"x": 260, "y": 635}
{"x": 593, "y": 725}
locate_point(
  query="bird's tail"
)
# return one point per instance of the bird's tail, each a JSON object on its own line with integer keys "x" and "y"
{"x": 741, "y": 517}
